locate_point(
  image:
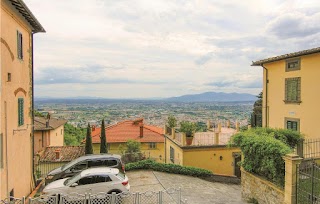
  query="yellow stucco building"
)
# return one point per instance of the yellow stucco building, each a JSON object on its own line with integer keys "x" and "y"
{"x": 150, "y": 137}
{"x": 290, "y": 96}
{"x": 18, "y": 25}
{"x": 207, "y": 150}
{"x": 48, "y": 132}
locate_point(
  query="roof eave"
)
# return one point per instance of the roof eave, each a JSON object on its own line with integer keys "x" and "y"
{"x": 23, "y": 9}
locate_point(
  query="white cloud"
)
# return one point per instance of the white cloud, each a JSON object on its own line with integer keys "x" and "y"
{"x": 164, "y": 48}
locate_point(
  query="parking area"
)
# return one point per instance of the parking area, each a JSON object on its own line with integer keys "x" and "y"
{"x": 195, "y": 190}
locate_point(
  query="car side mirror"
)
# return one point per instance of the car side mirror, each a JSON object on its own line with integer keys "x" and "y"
{"x": 73, "y": 185}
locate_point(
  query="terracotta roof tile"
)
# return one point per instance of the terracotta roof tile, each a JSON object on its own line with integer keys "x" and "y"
{"x": 67, "y": 153}
{"x": 40, "y": 123}
{"x": 286, "y": 56}
{"x": 125, "y": 130}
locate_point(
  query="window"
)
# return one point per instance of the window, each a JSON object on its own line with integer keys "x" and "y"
{"x": 1, "y": 151}
{"x": 101, "y": 179}
{"x": 19, "y": 45}
{"x": 20, "y": 112}
{"x": 79, "y": 167}
{"x": 112, "y": 162}
{"x": 292, "y": 124}
{"x": 61, "y": 131}
{"x": 293, "y": 90}
{"x": 86, "y": 180}
{"x": 152, "y": 145}
{"x": 9, "y": 77}
{"x": 171, "y": 154}
{"x": 292, "y": 65}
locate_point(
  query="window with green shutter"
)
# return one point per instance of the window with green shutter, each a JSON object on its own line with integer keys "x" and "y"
{"x": 293, "y": 90}
{"x": 19, "y": 45}
{"x": 20, "y": 111}
{"x": 292, "y": 124}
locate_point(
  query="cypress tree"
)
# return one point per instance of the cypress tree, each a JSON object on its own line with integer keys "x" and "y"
{"x": 103, "y": 139}
{"x": 88, "y": 147}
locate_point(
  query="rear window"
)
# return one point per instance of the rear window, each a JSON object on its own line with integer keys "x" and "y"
{"x": 121, "y": 175}
{"x": 112, "y": 162}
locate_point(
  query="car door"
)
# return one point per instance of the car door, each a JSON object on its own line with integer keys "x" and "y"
{"x": 84, "y": 185}
{"x": 102, "y": 183}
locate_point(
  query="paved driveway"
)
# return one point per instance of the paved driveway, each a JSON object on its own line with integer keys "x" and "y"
{"x": 195, "y": 190}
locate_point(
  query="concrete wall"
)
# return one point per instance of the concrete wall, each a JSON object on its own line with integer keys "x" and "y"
{"x": 115, "y": 148}
{"x": 17, "y": 171}
{"x": 209, "y": 158}
{"x": 57, "y": 136}
{"x": 41, "y": 140}
{"x": 263, "y": 191}
{"x": 307, "y": 111}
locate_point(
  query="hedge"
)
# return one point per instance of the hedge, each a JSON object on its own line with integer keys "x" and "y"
{"x": 169, "y": 168}
{"x": 263, "y": 149}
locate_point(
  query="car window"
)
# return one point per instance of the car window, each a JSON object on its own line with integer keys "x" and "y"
{"x": 95, "y": 163}
{"x": 86, "y": 180}
{"x": 79, "y": 167}
{"x": 100, "y": 179}
{"x": 112, "y": 162}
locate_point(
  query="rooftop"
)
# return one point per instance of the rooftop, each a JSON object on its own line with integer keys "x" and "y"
{"x": 42, "y": 123}
{"x": 286, "y": 56}
{"x": 22, "y": 8}
{"x": 129, "y": 129}
{"x": 67, "y": 153}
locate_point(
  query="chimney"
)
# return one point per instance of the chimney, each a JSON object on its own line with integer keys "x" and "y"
{"x": 93, "y": 128}
{"x": 216, "y": 138}
{"x": 57, "y": 152}
{"x": 219, "y": 127}
{"x": 141, "y": 131}
{"x": 228, "y": 123}
{"x": 47, "y": 124}
{"x": 237, "y": 126}
{"x": 209, "y": 126}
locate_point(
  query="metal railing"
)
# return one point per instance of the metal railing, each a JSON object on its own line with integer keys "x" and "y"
{"x": 169, "y": 196}
{"x": 309, "y": 148}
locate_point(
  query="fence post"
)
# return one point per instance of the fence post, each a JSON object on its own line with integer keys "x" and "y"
{"x": 179, "y": 196}
{"x": 300, "y": 148}
{"x": 290, "y": 182}
{"x": 160, "y": 197}
{"x": 113, "y": 198}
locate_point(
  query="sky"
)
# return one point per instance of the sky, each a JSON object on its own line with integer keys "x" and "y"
{"x": 147, "y": 49}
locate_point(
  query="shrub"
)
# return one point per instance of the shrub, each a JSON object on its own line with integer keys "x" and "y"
{"x": 263, "y": 149}
{"x": 169, "y": 168}
{"x": 187, "y": 127}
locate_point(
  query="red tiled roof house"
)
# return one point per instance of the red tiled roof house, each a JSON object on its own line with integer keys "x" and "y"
{"x": 151, "y": 138}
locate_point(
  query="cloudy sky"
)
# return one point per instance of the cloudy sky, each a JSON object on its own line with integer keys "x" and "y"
{"x": 144, "y": 48}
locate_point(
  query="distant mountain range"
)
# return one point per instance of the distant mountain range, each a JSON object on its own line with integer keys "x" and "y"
{"x": 203, "y": 97}
{"x": 214, "y": 97}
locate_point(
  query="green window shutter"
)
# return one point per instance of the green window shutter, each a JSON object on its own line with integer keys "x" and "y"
{"x": 18, "y": 44}
{"x": 20, "y": 111}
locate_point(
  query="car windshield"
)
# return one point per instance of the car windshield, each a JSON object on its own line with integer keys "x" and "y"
{"x": 73, "y": 179}
{"x": 70, "y": 164}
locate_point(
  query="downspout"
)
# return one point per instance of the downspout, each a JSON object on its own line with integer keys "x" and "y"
{"x": 32, "y": 108}
{"x": 266, "y": 105}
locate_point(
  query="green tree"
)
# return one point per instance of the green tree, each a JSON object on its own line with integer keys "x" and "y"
{"x": 256, "y": 116}
{"x": 38, "y": 114}
{"x": 88, "y": 147}
{"x": 73, "y": 135}
{"x": 103, "y": 139}
{"x": 172, "y": 121}
{"x": 188, "y": 127}
{"x": 133, "y": 146}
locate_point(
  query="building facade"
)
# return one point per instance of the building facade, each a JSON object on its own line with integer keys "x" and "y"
{"x": 206, "y": 150}
{"x": 16, "y": 98}
{"x": 48, "y": 132}
{"x": 290, "y": 98}
{"x": 150, "y": 137}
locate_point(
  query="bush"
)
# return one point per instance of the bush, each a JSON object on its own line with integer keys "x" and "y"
{"x": 263, "y": 149}
{"x": 169, "y": 168}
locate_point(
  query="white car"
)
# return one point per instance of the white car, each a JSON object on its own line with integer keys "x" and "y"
{"x": 93, "y": 180}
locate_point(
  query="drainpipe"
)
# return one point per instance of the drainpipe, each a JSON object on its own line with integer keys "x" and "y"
{"x": 32, "y": 108}
{"x": 266, "y": 105}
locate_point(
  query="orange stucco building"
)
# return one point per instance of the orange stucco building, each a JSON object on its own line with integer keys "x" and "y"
{"x": 18, "y": 25}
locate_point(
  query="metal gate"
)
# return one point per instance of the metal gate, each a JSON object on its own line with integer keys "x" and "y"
{"x": 308, "y": 183}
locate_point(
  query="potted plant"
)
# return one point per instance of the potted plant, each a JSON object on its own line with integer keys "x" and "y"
{"x": 171, "y": 123}
{"x": 188, "y": 128}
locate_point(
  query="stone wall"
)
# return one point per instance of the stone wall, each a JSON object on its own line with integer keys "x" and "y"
{"x": 262, "y": 190}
